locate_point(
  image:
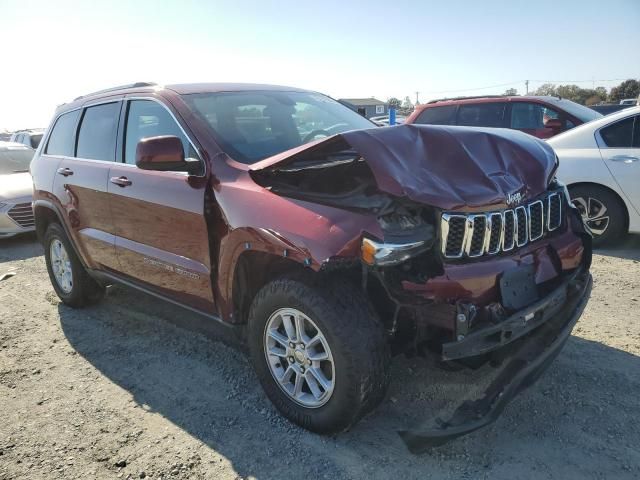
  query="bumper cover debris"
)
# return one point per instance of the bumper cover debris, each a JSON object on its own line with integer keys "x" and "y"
{"x": 520, "y": 370}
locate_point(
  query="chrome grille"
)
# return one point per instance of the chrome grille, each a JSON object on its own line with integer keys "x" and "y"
{"x": 474, "y": 235}
{"x": 22, "y": 214}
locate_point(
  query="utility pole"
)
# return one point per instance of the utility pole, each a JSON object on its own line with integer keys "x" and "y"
{"x": 417, "y": 100}
{"x": 526, "y": 86}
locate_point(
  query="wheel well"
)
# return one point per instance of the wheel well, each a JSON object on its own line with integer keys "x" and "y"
{"x": 254, "y": 270}
{"x": 613, "y": 192}
{"x": 44, "y": 217}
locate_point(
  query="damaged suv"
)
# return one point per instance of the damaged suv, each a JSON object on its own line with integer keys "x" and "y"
{"x": 324, "y": 243}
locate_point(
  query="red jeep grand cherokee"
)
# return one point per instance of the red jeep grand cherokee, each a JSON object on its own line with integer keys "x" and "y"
{"x": 542, "y": 117}
{"x": 325, "y": 243}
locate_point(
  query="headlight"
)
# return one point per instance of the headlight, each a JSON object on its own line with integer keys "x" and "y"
{"x": 387, "y": 254}
{"x": 2, "y": 205}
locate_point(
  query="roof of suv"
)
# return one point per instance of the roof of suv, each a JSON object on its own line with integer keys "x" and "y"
{"x": 181, "y": 89}
{"x": 493, "y": 98}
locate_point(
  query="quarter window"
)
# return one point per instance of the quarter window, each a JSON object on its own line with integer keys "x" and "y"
{"x": 482, "y": 115}
{"x": 618, "y": 135}
{"x": 62, "y": 136}
{"x": 97, "y": 135}
{"x": 147, "y": 118}
{"x": 444, "y": 115}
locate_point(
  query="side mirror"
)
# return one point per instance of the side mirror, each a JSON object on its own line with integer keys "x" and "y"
{"x": 554, "y": 124}
{"x": 165, "y": 154}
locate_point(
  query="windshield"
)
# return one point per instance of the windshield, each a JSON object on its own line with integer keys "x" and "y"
{"x": 251, "y": 126}
{"x": 15, "y": 160}
{"x": 579, "y": 111}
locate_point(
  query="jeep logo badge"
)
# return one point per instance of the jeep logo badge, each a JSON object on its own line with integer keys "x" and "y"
{"x": 514, "y": 198}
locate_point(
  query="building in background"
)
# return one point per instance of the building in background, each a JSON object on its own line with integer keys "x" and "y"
{"x": 367, "y": 107}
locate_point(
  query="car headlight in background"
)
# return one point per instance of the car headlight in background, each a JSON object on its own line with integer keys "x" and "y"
{"x": 388, "y": 254}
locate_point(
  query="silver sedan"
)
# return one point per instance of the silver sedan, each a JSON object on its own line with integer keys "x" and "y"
{"x": 16, "y": 189}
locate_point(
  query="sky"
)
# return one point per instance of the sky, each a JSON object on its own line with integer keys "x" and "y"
{"x": 54, "y": 51}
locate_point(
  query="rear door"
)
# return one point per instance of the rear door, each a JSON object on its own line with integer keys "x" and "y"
{"x": 161, "y": 234}
{"x": 620, "y": 149}
{"x": 81, "y": 179}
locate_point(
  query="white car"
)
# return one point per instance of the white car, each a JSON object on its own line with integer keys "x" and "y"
{"x": 16, "y": 189}
{"x": 600, "y": 164}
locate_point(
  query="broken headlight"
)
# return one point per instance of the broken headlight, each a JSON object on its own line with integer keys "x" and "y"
{"x": 386, "y": 254}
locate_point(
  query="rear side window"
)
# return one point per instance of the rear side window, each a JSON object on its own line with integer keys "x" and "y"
{"x": 61, "y": 138}
{"x": 482, "y": 115}
{"x": 618, "y": 135}
{"x": 97, "y": 135}
{"x": 636, "y": 133}
{"x": 531, "y": 116}
{"x": 444, "y": 115}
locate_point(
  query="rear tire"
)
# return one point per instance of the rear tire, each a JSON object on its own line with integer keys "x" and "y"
{"x": 353, "y": 341}
{"x": 69, "y": 278}
{"x": 602, "y": 211}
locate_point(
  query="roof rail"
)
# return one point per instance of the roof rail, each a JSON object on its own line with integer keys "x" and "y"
{"x": 470, "y": 98}
{"x": 120, "y": 87}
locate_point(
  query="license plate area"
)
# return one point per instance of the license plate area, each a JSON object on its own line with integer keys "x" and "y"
{"x": 518, "y": 288}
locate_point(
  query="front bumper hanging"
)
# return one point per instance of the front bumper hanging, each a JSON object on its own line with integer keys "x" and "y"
{"x": 545, "y": 338}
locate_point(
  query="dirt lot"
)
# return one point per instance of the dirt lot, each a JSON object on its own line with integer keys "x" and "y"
{"x": 119, "y": 391}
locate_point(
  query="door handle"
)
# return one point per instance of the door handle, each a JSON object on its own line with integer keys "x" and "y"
{"x": 120, "y": 181}
{"x": 624, "y": 158}
{"x": 65, "y": 172}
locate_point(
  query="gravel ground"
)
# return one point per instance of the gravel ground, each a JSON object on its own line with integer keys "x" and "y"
{"x": 120, "y": 390}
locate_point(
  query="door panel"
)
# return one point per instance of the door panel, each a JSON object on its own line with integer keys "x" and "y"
{"x": 81, "y": 188}
{"x": 624, "y": 165}
{"x": 620, "y": 150}
{"x": 161, "y": 234}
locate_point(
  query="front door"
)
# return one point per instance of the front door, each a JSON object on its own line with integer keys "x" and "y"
{"x": 620, "y": 150}
{"x": 161, "y": 234}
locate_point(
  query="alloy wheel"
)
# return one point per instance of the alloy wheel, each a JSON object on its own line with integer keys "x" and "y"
{"x": 299, "y": 357}
{"x": 61, "y": 266}
{"x": 594, "y": 213}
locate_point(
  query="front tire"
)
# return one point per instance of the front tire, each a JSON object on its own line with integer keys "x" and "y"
{"x": 602, "y": 211}
{"x": 319, "y": 352}
{"x": 70, "y": 280}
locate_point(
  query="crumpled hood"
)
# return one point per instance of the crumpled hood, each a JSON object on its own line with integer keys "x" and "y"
{"x": 16, "y": 186}
{"x": 451, "y": 168}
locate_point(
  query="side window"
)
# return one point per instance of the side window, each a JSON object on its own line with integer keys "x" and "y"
{"x": 531, "y": 116}
{"x": 482, "y": 115}
{"x": 636, "y": 133}
{"x": 618, "y": 135}
{"x": 147, "y": 118}
{"x": 62, "y": 136}
{"x": 97, "y": 134}
{"x": 444, "y": 115}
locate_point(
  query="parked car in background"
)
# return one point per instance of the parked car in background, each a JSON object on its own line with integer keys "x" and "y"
{"x": 629, "y": 101}
{"x": 383, "y": 120}
{"x": 16, "y": 189}
{"x": 600, "y": 164}
{"x": 608, "y": 108}
{"x": 542, "y": 117}
{"x": 31, "y": 137}
{"x": 325, "y": 243}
